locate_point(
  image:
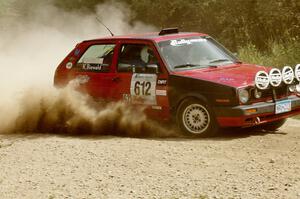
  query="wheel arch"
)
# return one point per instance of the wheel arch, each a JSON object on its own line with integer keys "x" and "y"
{"x": 187, "y": 96}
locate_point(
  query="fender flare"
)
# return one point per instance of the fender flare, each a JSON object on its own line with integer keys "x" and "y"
{"x": 186, "y": 96}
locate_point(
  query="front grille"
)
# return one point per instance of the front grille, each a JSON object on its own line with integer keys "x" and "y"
{"x": 281, "y": 92}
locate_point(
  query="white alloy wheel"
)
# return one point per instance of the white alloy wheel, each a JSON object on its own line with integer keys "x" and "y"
{"x": 196, "y": 118}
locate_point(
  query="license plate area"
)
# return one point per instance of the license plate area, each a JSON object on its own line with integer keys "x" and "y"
{"x": 283, "y": 106}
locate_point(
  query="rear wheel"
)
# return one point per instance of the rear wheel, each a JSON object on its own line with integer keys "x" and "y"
{"x": 273, "y": 126}
{"x": 195, "y": 118}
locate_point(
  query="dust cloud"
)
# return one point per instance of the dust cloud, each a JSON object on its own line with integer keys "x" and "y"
{"x": 33, "y": 40}
{"x": 68, "y": 111}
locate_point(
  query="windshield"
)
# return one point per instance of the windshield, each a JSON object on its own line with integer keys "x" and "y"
{"x": 194, "y": 52}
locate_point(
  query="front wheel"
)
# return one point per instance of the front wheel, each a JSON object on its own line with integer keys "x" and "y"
{"x": 195, "y": 118}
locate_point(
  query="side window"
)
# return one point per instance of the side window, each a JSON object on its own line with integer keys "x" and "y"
{"x": 137, "y": 58}
{"x": 97, "y": 58}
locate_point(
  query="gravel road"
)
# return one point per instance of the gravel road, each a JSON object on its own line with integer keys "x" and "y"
{"x": 237, "y": 165}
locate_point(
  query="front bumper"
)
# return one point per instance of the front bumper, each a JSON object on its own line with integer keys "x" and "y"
{"x": 254, "y": 114}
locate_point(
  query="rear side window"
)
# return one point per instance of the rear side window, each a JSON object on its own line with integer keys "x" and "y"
{"x": 97, "y": 58}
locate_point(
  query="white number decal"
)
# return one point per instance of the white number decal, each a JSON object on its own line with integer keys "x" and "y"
{"x": 142, "y": 88}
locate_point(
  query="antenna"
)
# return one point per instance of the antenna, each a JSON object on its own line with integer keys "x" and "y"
{"x": 104, "y": 25}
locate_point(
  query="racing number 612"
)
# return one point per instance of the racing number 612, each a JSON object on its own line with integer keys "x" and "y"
{"x": 142, "y": 88}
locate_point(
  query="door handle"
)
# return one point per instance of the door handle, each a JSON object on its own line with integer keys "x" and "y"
{"x": 116, "y": 79}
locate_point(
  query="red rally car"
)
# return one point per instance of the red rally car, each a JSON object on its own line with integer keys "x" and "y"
{"x": 186, "y": 78}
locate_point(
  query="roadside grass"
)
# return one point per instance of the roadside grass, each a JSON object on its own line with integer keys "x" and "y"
{"x": 279, "y": 54}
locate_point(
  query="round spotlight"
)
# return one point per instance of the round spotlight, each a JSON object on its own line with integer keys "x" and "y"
{"x": 297, "y": 72}
{"x": 275, "y": 77}
{"x": 288, "y": 75}
{"x": 257, "y": 93}
{"x": 262, "y": 80}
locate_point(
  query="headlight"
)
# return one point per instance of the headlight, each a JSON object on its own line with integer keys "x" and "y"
{"x": 257, "y": 93}
{"x": 292, "y": 88}
{"x": 243, "y": 95}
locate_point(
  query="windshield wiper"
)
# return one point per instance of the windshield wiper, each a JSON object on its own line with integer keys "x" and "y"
{"x": 219, "y": 60}
{"x": 186, "y": 65}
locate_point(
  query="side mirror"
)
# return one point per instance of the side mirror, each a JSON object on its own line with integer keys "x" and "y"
{"x": 153, "y": 67}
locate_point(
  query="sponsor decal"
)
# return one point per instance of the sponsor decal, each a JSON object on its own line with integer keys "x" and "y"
{"x": 92, "y": 64}
{"x": 161, "y": 82}
{"x": 127, "y": 97}
{"x": 96, "y": 67}
{"x": 182, "y": 42}
{"x": 226, "y": 79}
{"x": 71, "y": 59}
{"x": 69, "y": 65}
{"x": 76, "y": 52}
{"x": 156, "y": 107}
{"x": 161, "y": 92}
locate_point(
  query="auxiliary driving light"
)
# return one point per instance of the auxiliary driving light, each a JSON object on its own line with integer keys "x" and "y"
{"x": 275, "y": 77}
{"x": 257, "y": 93}
{"x": 262, "y": 80}
{"x": 292, "y": 88}
{"x": 297, "y": 72}
{"x": 288, "y": 75}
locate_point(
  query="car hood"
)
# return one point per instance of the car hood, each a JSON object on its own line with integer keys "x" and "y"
{"x": 234, "y": 75}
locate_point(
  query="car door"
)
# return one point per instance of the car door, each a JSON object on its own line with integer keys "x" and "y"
{"x": 140, "y": 78}
{"x": 94, "y": 69}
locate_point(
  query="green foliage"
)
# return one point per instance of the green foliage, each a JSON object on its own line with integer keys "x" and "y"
{"x": 235, "y": 23}
{"x": 84, "y": 5}
{"x": 279, "y": 54}
{"x": 6, "y": 7}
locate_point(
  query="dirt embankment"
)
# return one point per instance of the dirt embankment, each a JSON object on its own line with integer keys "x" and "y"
{"x": 247, "y": 165}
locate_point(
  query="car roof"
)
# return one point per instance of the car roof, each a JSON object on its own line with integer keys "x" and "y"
{"x": 149, "y": 36}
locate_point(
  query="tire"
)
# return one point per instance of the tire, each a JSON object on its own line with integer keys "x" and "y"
{"x": 195, "y": 118}
{"x": 273, "y": 126}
